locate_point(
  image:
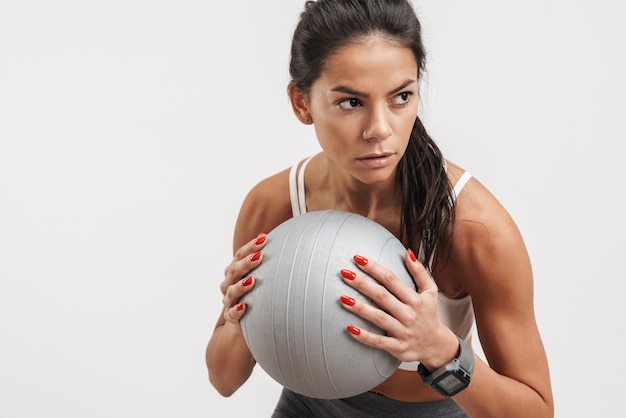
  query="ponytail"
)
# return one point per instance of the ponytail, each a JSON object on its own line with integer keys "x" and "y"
{"x": 427, "y": 204}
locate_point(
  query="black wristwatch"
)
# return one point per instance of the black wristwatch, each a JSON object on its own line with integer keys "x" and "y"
{"x": 453, "y": 377}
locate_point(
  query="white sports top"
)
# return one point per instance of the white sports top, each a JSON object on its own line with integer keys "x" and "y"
{"x": 456, "y": 314}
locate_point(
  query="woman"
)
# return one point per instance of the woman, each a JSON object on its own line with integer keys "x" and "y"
{"x": 355, "y": 68}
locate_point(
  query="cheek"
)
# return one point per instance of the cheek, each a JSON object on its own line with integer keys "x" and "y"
{"x": 407, "y": 126}
{"x": 334, "y": 133}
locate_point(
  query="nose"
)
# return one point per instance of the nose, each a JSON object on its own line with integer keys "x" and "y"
{"x": 378, "y": 126}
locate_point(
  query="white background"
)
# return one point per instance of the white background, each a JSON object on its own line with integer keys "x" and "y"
{"x": 130, "y": 132}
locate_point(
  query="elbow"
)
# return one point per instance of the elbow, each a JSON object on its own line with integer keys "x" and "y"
{"x": 221, "y": 388}
{"x": 226, "y": 380}
{"x": 549, "y": 408}
{"x": 216, "y": 374}
{"x": 227, "y": 374}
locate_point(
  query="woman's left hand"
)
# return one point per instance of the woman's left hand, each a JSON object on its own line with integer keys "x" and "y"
{"x": 411, "y": 319}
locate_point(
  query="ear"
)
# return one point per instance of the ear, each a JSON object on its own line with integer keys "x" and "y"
{"x": 300, "y": 104}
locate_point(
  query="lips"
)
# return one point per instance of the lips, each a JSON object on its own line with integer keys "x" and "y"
{"x": 375, "y": 156}
{"x": 376, "y": 160}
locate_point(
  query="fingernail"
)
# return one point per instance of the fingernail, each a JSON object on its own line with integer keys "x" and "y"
{"x": 247, "y": 281}
{"x": 239, "y": 306}
{"x": 347, "y": 274}
{"x": 255, "y": 256}
{"x": 361, "y": 261}
{"x": 260, "y": 240}
{"x": 354, "y": 330}
{"x": 412, "y": 255}
{"x": 347, "y": 300}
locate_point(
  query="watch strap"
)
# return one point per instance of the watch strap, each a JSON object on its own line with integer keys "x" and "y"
{"x": 466, "y": 356}
{"x": 462, "y": 367}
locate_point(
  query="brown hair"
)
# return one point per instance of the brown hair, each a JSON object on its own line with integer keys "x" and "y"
{"x": 325, "y": 26}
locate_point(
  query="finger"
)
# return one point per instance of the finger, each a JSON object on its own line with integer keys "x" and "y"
{"x": 373, "y": 339}
{"x": 240, "y": 268}
{"x": 373, "y": 314}
{"x": 235, "y": 313}
{"x": 251, "y": 246}
{"x": 380, "y": 295}
{"x": 246, "y": 258}
{"x": 236, "y": 291}
{"x": 386, "y": 278}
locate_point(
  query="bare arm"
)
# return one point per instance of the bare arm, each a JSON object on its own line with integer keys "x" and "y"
{"x": 228, "y": 359}
{"x": 493, "y": 262}
{"x": 490, "y": 262}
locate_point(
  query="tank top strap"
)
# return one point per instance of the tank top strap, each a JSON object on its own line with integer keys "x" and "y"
{"x": 458, "y": 187}
{"x": 460, "y": 184}
{"x": 296, "y": 188}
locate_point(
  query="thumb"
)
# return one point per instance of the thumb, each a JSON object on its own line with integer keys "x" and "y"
{"x": 421, "y": 276}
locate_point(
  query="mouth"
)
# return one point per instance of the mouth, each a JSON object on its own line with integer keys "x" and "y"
{"x": 375, "y": 156}
{"x": 376, "y": 160}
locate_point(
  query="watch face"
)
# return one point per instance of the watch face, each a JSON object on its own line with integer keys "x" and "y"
{"x": 450, "y": 383}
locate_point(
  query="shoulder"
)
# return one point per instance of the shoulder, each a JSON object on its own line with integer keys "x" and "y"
{"x": 488, "y": 253}
{"x": 489, "y": 261}
{"x": 265, "y": 206}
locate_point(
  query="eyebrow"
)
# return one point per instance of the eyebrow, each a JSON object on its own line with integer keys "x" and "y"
{"x": 348, "y": 90}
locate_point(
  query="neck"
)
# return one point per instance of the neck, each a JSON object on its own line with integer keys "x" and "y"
{"x": 378, "y": 201}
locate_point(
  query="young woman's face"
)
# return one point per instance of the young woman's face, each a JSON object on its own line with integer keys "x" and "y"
{"x": 364, "y": 105}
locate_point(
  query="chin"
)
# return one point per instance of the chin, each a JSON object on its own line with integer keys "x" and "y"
{"x": 378, "y": 176}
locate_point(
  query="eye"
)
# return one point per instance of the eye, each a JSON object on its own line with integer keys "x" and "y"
{"x": 402, "y": 98}
{"x": 349, "y": 104}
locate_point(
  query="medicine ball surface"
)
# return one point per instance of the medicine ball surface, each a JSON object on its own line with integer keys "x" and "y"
{"x": 295, "y": 326}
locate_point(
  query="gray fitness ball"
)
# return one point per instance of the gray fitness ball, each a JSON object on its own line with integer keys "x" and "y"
{"x": 295, "y": 326}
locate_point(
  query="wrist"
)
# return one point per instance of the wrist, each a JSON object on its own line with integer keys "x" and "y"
{"x": 445, "y": 351}
{"x": 454, "y": 376}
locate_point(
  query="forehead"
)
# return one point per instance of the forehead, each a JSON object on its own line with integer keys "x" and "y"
{"x": 370, "y": 63}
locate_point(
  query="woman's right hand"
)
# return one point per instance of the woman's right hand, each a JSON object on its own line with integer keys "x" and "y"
{"x": 237, "y": 282}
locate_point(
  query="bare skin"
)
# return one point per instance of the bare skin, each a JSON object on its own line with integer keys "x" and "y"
{"x": 362, "y": 141}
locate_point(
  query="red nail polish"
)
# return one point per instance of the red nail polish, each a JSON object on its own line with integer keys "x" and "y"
{"x": 412, "y": 255}
{"x": 354, "y": 330}
{"x": 361, "y": 261}
{"x": 255, "y": 256}
{"x": 247, "y": 281}
{"x": 347, "y": 274}
{"x": 347, "y": 300}
{"x": 260, "y": 240}
{"x": 239, "y": 306}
